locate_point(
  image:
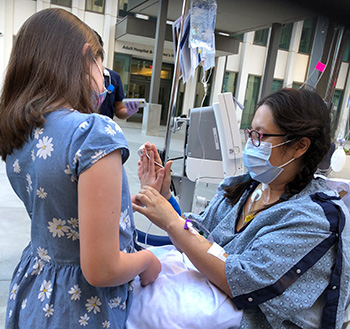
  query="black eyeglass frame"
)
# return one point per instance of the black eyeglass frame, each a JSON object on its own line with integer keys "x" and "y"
{"x": 248, "y": 134}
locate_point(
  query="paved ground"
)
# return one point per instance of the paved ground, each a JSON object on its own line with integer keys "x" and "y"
{"x": 15, "y": 224}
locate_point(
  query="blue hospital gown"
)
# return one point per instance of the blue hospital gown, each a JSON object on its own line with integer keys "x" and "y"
{"x": 48, "y": 289}
{"x": 277, "y": 245}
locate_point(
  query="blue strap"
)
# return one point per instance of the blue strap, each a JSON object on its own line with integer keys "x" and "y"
{"x": 336, "y": 220}
{"x": 175, "y": 205}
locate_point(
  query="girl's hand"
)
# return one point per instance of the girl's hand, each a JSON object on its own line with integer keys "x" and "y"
{"x": 147, "y": 171}
{"x": 156, "y": 208}
{"x": 153, "y": 269}
{"x": 151, "y": 174}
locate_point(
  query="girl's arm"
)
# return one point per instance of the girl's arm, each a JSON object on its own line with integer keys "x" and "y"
{"x": 99, "y": 205}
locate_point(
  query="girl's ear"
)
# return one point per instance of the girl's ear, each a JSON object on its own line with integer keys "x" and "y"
{"x": 85, "y": 48}
{"x": 301, "y": 147}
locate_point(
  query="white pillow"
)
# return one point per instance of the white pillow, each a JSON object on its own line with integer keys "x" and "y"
{"x": 181, "y": 297}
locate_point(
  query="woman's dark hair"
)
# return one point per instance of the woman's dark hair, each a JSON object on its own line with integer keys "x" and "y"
{"x": 297, "y": 113}
{"x": 48, "y": 69}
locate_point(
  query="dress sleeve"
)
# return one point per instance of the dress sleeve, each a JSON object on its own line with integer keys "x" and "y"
{"x": 94, "y": 138}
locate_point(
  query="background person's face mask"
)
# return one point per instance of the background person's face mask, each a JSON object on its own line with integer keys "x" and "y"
{"x": 257, "y": 162}
{"x": 98, "y": 98}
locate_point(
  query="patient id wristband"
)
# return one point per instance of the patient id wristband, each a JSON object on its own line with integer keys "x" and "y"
{"x": 175, "y": 205}
{"x": 217, "y": 251}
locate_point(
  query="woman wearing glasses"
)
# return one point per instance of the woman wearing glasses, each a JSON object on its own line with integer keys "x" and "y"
{"x": 285, "y": 235}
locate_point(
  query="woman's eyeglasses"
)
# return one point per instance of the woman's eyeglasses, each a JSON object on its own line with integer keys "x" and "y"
{"x": 256, "y": 136}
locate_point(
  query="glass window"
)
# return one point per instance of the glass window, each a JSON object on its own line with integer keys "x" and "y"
{"x": 122, "y": 66}
{"x": 306, "y": 36}
{"x": 296, "y": 85}
{"x": 65, "y": 3}
{"x": 239, "y": 37}
{"x": 260, "y": 37}
{"x": 276, "y": 85}
{"x": 96, "y": 6}
{"x": 230, "y": 81}
{"x": 250, "y": 101}
{"x": 346, "y": 54}
{"x": 286, "y": 34}
{"x": 337, "y": 102}
{"x": 123, "y": 6}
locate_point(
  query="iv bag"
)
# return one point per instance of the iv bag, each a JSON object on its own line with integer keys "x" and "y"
{"x": 203, "y": 17}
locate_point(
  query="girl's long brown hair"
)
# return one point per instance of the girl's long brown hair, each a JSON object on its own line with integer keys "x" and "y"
{"x": 47, "y": 70}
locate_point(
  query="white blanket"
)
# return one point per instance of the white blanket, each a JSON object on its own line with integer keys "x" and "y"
{"x": 181, "y": 297}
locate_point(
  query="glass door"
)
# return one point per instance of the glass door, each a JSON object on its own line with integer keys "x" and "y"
{"x": 138, "y": 88}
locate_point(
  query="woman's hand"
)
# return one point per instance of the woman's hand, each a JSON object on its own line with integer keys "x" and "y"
{"x": 156, "y": 208}
{"x": 153, "y": 269}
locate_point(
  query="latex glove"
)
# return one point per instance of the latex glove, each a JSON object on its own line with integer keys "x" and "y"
{"x": 131, "y": 107}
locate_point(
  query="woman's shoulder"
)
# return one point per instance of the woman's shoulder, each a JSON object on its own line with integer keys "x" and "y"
{"x": 233, "y": 180}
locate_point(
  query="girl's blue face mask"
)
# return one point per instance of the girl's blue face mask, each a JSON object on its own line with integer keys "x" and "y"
{"x": 257, "y": 162}
{"x": 98, "y": 98}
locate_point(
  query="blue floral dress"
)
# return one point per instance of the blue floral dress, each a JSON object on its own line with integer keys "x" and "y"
{"x": 48, "y": 289}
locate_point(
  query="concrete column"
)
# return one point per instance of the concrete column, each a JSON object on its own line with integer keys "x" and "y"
{"x": 158, "y": 50}
{"x": 293, "y": 51}
{"x": 271, "y": 59}
{"x": 151, "y": 119}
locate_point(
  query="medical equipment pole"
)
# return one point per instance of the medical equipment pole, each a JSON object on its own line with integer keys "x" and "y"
{"x": 175, "y": 84}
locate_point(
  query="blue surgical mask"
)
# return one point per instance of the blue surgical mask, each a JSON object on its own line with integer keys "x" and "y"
{"x": 98, "y": 98}
{"x": 257, "y": 162}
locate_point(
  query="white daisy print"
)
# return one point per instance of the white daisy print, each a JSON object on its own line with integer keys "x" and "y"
{"x": 83, "y": 125}
{"x": 38, "y": 266}
{"x": 45, "y": 147}
{"x": 32, "y": 153}
{"x": 37, "y": 132}
{"x": 97, "y": 156}
{"x": 58, "y": 227}
{"x": 43, "y": 254}
{"x": 72, "y": 234}
{"x": 106, "y": 324}
{"x": 115, "y": 302}
{"x": 45, "y": 290}
{"x": 109, "y": 130}
{"x": 48, "y": 309}
{"x": 16, "y": 167}
{"x": 10, "y": 313}
{"x": 40, "y": 192}
{"x": 93, "y": 304}
{"x": 124, "y": 219}
{"x": 24, "y": 304}
{"x": 117, "y": 128}
{"x": 75, "y": 292}
{"x": 14, "y": 291}
{"x": 77, "y": 156}
{"x": 122, "y": 306}
{"x": 29, "y": 180}
{"x": 69, "y": 172}
{"x": 74, "y": 222}
{"x": 84, "y": 320}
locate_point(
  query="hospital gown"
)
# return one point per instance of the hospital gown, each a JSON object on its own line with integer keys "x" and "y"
{"x": 280, "y": 265}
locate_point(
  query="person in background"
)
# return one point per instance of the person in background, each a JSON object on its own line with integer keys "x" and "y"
{"x": 113, "y": 104}
{"x": 277, "y": 239}
{"x": 65, "y": 163}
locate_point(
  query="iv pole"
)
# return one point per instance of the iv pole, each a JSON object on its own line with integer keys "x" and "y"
{"x": 175, "y": 84}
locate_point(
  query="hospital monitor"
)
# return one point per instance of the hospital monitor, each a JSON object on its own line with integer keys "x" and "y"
{"x": 214, "y": 147}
